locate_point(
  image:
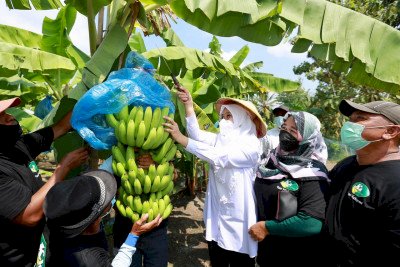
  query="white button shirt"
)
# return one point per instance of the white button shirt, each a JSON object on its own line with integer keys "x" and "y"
{"x": 230, "y": 207}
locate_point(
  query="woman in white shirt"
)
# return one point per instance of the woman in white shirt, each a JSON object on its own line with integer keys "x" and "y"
{"x": 233, "y": 155}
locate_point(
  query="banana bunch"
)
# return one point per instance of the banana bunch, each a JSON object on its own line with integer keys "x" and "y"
{"x": 143, "y": 191}
{"x": 140, "y": 127}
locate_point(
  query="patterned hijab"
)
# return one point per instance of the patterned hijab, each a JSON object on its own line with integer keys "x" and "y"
{"x": 307, "y": 162}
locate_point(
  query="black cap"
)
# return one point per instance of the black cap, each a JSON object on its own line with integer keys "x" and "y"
{"x": 71, "y": 206}
{"x": 388, "y": 109}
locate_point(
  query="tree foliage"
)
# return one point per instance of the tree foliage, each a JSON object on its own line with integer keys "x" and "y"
{"x": 333, "y": 85}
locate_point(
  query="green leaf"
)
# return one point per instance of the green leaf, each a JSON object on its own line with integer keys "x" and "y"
{"x": 17, "y": 36}
{"x": 99, "y": 66}
{"x": 60, "y": 109}
{"x": 55, "y": 32}
{"x": 14, "y": 57}
{"x": 37, "y": 4}
{"x": 136, "y": 43}
{"x": 81, "y": 5}
{"x": 240, "y": 56}
{"x": 204, "y": 121}
{"x": 171, "y": 38}
{"x": 329, "y": 30}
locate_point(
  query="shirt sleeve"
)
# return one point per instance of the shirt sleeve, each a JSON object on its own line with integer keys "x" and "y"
{"x": 194, "y": 132}
{"x": 231, "y": 157}
{"x": 15, "y": 197}
{"x": 299, "y": 225}
{"x": 39, "y": 141}
{"x": 125, "y": 253}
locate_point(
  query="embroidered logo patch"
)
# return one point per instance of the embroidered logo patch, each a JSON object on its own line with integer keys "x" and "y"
{"x": 289, "y": 185}
{"x": 360, "y": 190}
{"x": 33, "y": 167}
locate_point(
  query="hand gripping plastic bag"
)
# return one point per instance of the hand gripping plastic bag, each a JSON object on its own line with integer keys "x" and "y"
{"x": 134, "y": 86}
{"x": 44, "y": 107}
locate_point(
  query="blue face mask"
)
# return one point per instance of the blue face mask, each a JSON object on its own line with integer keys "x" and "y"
{"x": 350, "y": 134}
{"x": 278, "y": 121}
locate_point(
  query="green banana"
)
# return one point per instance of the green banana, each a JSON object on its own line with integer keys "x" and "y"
{"x": 156, "y": 184}
{"x": 167, "y": 211}
{"x": 124, "y": 113}
{"x": 132, "y": 165}
{"x": 122, "y": 132}
{"x": 118, "y": 156}
{"x": 120, "y": 208}
{"x": 147, "y": 184}
{"x": 167, "y": 200}
{"x": 138, "y": 187}
{"x": 159, "y": 136}
{"x": 151, "y": 215}
{"x": 111, "y": 120}
{"x": 152, "y": 172}
{"x": 135, "y": 217}
{"x": 161, "y": 206}
{"x": 159, "y": 195}
{"x": 155, "y": 208}
{"x": 124, "y": 177}
{"x": 130, "y": 202}
{"x": 138, "y": 204}
{"x": 132, "y": 177}
{"x": 171, "y": 170}
{"x": 141, "y": 175}
{"x": 120, "y": 169}
{"x": 151, "y": 139}
{"x": 130, "y": 133}
{"x": 125, "y": 199}
{"x": 163, "y": 150}
{"x": 128, "y": 187}
{"x": 165, "y": 182}
{"x": 164, "y": 111}
{"x": 152, "y": 197}
{"x": 168, "y": 189}
{"x": 145, "y": 207}
{"x": 129, "y": 154}
{"x": 114, "y": 167}
{"x": 129, "y": 212}
{"x": 132, "y": 113}
{"x": 138, "y": 119}
{"x": 121, "y": 148}
{"x": 148, "y": 113}
{"x": 170, "y": 155}
{"x": 162, "y": 169}
{"x": 140, "y": 134}
{"x": 155, "y": 122}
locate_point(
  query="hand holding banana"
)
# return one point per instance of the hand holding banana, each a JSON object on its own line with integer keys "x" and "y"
{"x": 172, "y": 128}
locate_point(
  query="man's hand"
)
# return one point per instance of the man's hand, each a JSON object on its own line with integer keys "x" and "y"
{"x": 72, "y": 160}
{"x": 258, "y": 231}
{"x": 140, "y": 227}
{"x": 145, "y": 160}
{"x": 184, "y": 95}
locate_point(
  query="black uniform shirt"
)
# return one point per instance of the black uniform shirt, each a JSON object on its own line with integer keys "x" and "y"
{"x": 363, "y": 214}
{"x": 18, "y": 183}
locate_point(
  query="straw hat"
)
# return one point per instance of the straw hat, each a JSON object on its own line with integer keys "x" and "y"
{"x": 252, "y": 111}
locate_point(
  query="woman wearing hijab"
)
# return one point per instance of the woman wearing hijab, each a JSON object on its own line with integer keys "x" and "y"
{"x": 233, "y": 156}
{"x": 290, "y": 189}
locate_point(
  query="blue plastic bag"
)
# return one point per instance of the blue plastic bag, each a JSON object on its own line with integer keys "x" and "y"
{"x": 133, "y": 86}
{"x": 44, "y": 107}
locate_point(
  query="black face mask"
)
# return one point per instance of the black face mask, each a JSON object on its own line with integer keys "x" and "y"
{"x": 287, "y": 141}
{"x": 9, "y": 134}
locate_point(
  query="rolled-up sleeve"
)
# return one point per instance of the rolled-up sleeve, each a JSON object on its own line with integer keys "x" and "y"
{"x": 194, "y": 132}
{"x": 227, "y": 157}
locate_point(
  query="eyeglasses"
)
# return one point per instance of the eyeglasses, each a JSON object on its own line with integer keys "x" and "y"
{"x": 109, "y": 210}
{"x": 291, "y": 130}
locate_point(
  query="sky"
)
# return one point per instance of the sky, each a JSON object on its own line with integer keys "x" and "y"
{"x": 277, "y": 60}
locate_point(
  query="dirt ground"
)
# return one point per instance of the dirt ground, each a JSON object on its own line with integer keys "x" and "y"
{"x": 187, "y": 246}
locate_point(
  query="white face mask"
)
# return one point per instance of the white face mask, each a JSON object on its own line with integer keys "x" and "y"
{"x": 225, "y": 126}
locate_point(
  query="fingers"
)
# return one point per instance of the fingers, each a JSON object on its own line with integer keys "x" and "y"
{"x": 143, "y": 219}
